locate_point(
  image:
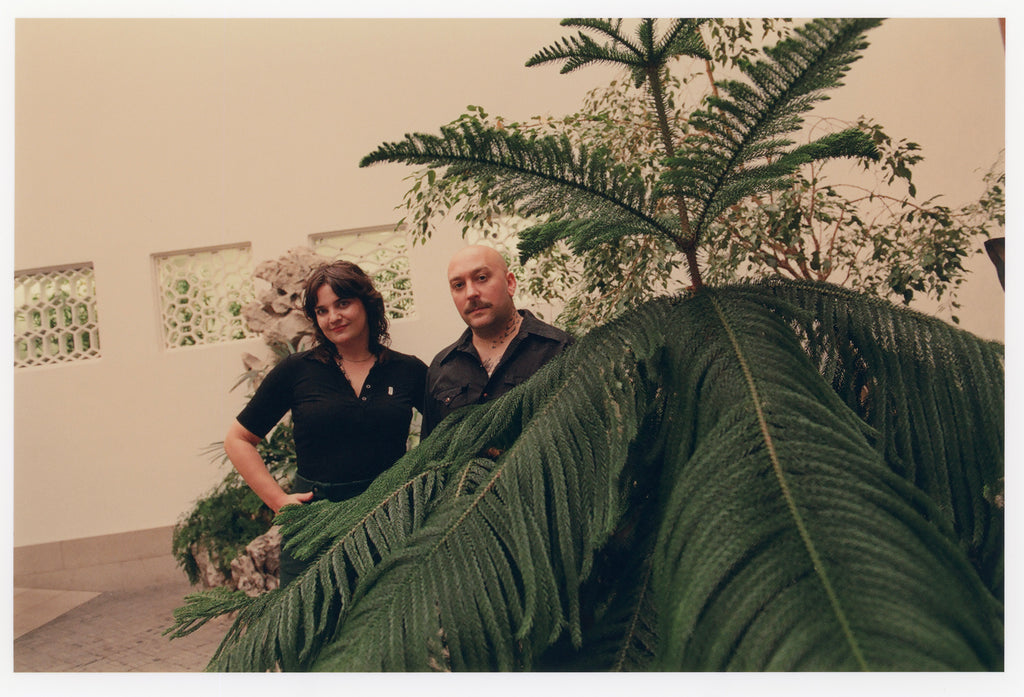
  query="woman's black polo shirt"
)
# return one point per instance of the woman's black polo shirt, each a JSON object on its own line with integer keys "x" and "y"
{"x": 340, "y": 436}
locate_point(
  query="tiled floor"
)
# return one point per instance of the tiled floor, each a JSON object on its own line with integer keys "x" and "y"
{"x": 70, "y": 631}
{"x": 34, "y": 607}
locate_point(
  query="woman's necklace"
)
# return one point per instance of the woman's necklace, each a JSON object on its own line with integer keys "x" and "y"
{"x": 341, "y": 360}
{"x": 353, "y": 360}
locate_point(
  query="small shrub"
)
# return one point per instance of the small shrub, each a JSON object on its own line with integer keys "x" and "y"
{"x": 230, "y": 516}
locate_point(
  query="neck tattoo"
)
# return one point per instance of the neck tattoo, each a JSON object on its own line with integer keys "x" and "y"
{"x": 511, "y": 329}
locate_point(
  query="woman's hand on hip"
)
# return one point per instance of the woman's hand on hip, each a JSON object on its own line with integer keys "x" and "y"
{"x": 294, "y": 499}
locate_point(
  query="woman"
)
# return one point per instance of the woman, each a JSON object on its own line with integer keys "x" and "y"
{"x": 351, "y": 399}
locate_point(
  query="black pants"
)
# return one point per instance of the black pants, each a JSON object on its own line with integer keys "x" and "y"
{"x": 292, "y": 568}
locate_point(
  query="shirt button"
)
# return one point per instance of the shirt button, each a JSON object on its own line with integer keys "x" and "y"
{"x": 364, "y": 399}
{"x": 368, "y": 385}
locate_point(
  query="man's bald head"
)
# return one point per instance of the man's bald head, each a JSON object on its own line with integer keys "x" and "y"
{"x": 477, "y": 254}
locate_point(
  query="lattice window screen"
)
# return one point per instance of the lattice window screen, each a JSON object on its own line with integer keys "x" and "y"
{"x": 383, "y": 254}
{"x": 55, "y": 316}
{"x": 202, "y": 294}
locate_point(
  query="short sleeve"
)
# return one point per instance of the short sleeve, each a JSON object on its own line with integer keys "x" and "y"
{"x": 272, "y": 399}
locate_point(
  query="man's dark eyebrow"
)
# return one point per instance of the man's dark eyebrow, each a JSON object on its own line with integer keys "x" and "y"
{"x": 474, "y": 272}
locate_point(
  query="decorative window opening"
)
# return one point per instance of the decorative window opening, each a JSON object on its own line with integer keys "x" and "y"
{"x": 202, "y": 293}
{"x": 383, "y": 253}
{"x": 55, "y": 316}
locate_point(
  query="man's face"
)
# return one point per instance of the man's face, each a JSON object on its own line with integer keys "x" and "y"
{"x": 482, "y": 290}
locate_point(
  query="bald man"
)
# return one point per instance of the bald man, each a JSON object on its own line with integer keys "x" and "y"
{"x": 501, "y": 347}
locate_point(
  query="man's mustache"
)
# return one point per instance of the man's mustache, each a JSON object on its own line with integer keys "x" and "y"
{"x": 473, "y": 305}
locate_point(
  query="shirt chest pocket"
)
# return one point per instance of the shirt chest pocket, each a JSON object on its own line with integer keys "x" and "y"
{"x": 515, "y": 377}
{"x": 454, "y": 397}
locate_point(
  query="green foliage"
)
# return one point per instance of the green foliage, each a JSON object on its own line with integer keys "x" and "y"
{"x": 619, "y": 274}
{"x": 741, "y": 147}
{"x": 711, "y": 483}
{"x": 588, "y": 198}
{"x": 212, "y": 603}
{"x": 648, "y": 52}
{"x": 732, "y": 41}
{"x": 873, "y": 238}
{"x": 537, "y": 172}
{"x": 227, "y": 518}
{"x": 876, "y": 236}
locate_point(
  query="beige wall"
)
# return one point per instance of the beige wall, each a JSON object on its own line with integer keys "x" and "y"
{"x": 142, "y": 136}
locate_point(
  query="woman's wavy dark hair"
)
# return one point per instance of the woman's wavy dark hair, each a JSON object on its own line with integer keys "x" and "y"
{"x": 347, "y": 281}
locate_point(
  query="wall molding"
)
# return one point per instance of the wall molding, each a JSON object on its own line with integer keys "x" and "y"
{"x": 121, "y": 561}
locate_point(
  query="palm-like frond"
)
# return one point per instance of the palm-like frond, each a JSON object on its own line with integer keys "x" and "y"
{"x": 200, "y": 608}
{"x": 740, "y": 147}
{"x": 582, "y": 235}
{"x": 548, "y": 176}
{"x": 782, "y": 483}
{"x": 580, "y": 50}
{"x": 646, "y": 54}
{"x": 809, "y": 530}
{"x": 764, "y": 513}
{"x": 285, "y": 628}
{"x": 518, "y": 569}
{"x": 941, "y": 431}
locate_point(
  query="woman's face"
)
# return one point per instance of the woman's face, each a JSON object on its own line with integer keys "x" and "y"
{"x": 342, "y": 320}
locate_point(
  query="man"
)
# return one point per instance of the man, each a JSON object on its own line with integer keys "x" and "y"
{"x": 502, "y": 346}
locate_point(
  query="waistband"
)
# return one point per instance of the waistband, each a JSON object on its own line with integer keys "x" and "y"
{"x": 337, "y": 491}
